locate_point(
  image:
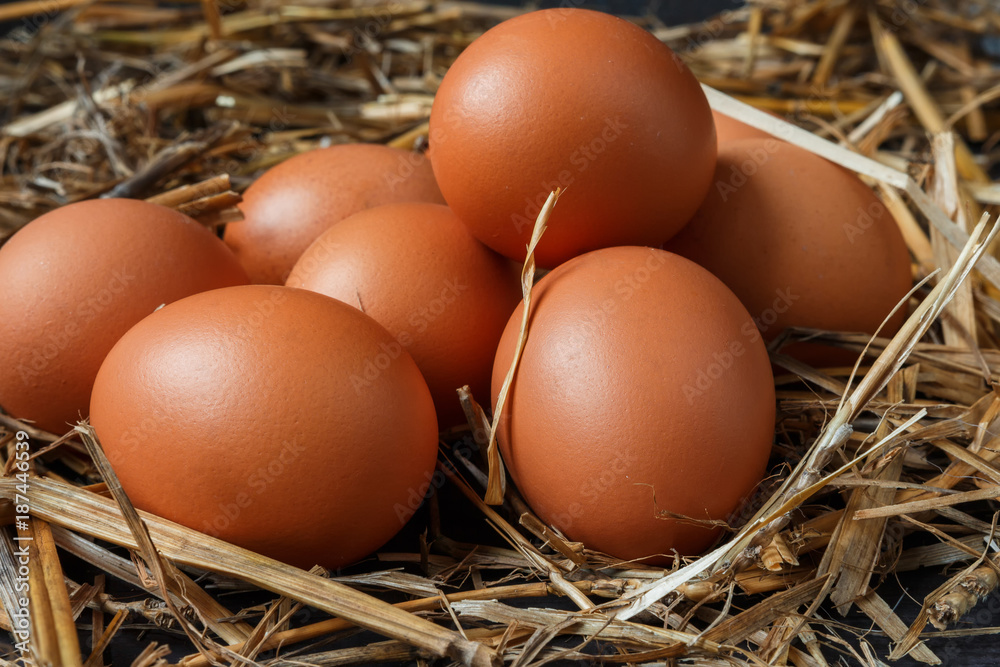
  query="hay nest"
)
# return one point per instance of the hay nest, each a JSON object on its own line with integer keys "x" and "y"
{"x": 879, "y": 469}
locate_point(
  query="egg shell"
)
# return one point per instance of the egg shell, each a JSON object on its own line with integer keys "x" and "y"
{"x": 729, "y": 129}
{"x": 238, "y": 412}
{"x": 643, "y": 388}
{"x": 290, "y": 205}
{"x": 580, "y": 100}
{"x": 802, "y": 242}
{"x": 417, "y": 271}
{"x": 76, "y": 279}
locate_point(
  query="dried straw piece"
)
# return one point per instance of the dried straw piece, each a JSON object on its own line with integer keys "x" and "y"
{"x": 97, "y": 622}
{"x": 497, "y": 478}
{"x": 16, "y": 10}
{"x": 913, "y": 507}
{"x": 166, "y": 161}
{"x": 378, "y": 652}
{"x": 950, "y": 603}
{"x": 186, "y": 194}
{"x": 480, "y": 426}
{"x": 409, "y": 139}
{"x": 164, "y": 575}
{"x": 885, "y": 618}
{"x": 272, "y": 621}
{"x": 920, "y": 100}
{"x": 741, "y": 626}
{"x": 944, "y": 189}
{"x": 963, "y": 595}
{"x": 831, "y": 51}
{"x": 51, "y": 612}
{"x": 535, "y": 526}
{"x": 915, "y": 237}
{"x": 96, "y": 658}
{"x": 330, "y": 626}
{"x": 211, "y": 204}
{"x": 210, "y": 610}
{"x": 13, "y": 425}
{"x": 597, "y": 625}
{"x": 81, "y": 511}
{"x": 212, "y": 18}
{"x": 11, "y": 601}
{"x": 956, "y": 472}
{"x": 212, "y": 219}
{"x": 966, "y": 456}
{"x": 534, "y": 556}
{"x": 44, "y": 644}
{"x": 854, "y": 547}
{"x": 84, "y": 595}
{"x": 776, "y": 554}
{"x": 753, "y": 37}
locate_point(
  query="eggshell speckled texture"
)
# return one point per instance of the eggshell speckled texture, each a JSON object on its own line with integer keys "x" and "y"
{"x": 729, "y": 129}
{"x": 238, "y": 412}
{"x": 580, "y": 100}
{"x": 642, "y": 375}
{"x": 288, "y": 207}
{"x": 417, "y": 270}
{"x": 76, "y": 279}
{"x": 802, "y": 242}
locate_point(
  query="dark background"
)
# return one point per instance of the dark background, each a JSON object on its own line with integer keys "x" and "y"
{"x": 671, "y": 12}
{"x": 462, "y": 523}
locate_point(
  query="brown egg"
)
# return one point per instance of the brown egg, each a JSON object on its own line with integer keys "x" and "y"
{"x": 644, "y": 389}
{"x": 241, "y": 413}
{"x": 729, "y": 129}
{"x": 802, "y": 242}
{"x": 79, "y": 277}
{"x": 288, "y": 207}
{"x": 580, "y": 100}
{"x": 417, "y": 271}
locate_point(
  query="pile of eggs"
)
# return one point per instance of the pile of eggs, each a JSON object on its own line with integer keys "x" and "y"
{"x": 283, "y": 387}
